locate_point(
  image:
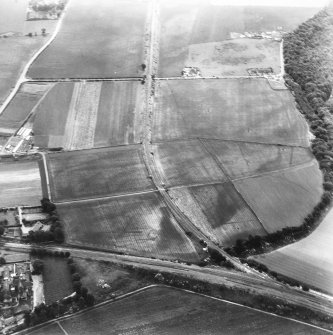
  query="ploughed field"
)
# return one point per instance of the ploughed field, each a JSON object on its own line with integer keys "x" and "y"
{"x": 96, "y": 40}
{"x": 163, "y": 310}
{"x": 138, "y": 224}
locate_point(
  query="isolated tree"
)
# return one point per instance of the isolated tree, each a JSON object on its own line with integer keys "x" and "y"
{"x": 2, "y": 230}
{"x": 2, "y": 261}
{"x": 38, "y": 267}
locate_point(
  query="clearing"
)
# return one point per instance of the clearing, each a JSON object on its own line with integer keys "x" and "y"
{"x": 165, "y": 310}
{"x": 233, "y": 109}
{"x": 234, "y": 57}
{"x": 284, "y": 198}
{"x": 135, "y": 224}
{"x": 309, "y": 260}
{"x": 95, "y": 173}
{"x": 20, "y": 183}
{"x": 218, "y": 211}
{"x": 96, "y": 41}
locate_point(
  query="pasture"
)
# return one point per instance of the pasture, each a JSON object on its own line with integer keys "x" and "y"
{"x": 163, "y": 310}
{"x": 234, "y": 57}
{"x": 283, "y": 198}
{"x": 100, "y": 172}
{"x": 186, "y": 163}
{"x": 96, "y": 41}
{"x": 185, "y": 25}
{"x": 138, "y": 224}
{"x": 241, "y": 159}
{"x": 218, "y": 211}
{"x": 57, "y": 279}
{"x": 229, "y": 109}
{"x": 309, "y": 260}
{"x": 20, "y": 183}
{"x": 86, "y": 115}
{"x": 21, "y": 106}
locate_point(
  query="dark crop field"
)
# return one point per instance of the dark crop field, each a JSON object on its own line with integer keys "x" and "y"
{"x": 135, "y": 224}
{"x": 161, "y": 310}
{"x": 103, "y": 39}
{"x": 218, "y": 211}
{"x": 229, "y": 109}
{"x": 94, "y": 173}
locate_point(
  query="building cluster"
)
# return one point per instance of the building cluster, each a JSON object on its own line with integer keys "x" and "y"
{"x": 16, "y": 294}
{"x": 275, "y": 35}
{"x": 45, "y": 9}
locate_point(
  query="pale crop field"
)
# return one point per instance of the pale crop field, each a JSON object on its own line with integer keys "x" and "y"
{"x": 96, "y": 40}
{"x": 20, "y": 183}
{"x": 135, "y": 224}
{"x": 87, "y": 174}
{"x": 283, "y": 199}
{"x": 228, "y": 109}
{"x": 310, "y": 260}
{"x": 165, "y": 311}
{"x": 218, "y": 211}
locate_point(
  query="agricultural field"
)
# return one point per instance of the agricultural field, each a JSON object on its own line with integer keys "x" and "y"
{"x": 20, "y": 183}
{"x": 21, "y": 106}
{"x": 218, "y": 211}
{"x": 187, "y": 24}
{"x": 16, "y": 49}
{"x": 283, "y": 198}
{"x": 170, "y": 311}
{"x": 232, "y": 109}
{"x": 94, "y": 173}
{"x": 57, "y": 279}
{"x": 309, "y": 260}
{"x": 91, "y": 114}
{"x": 107, "y": 39}
{"x": 135, "y": 224}
{"x": 241, "y": 159}
{"x": 234, "y": 57}
{"x": 97, "y": 173}
{"x": 186, "y": 163}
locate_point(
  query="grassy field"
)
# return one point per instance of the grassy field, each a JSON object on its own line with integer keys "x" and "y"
{"x": 161, "y": 310}
{"x": 234, "y": 57}
{"x": 57, "y": 279}
{"x": 218, "y": 211}
{"x": 17, "y": 49}
{"x": 19, "y": 108}
{"x": 237, "y": 109}
{"x": 107, "y": 42}
{"x": 87, "y": 115}
{"x": 20, "y": 183}
{"x": 247, "y": 159}
{"x": 134, "y": 224}
{"x": 94, "y": 173}
{"x": 120, "y": 280}
{"x": 285, "y": 198}
{"x": 186, "y": 163}
{"x": 185, "y": 24}
{"x": 309, "y": 260}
